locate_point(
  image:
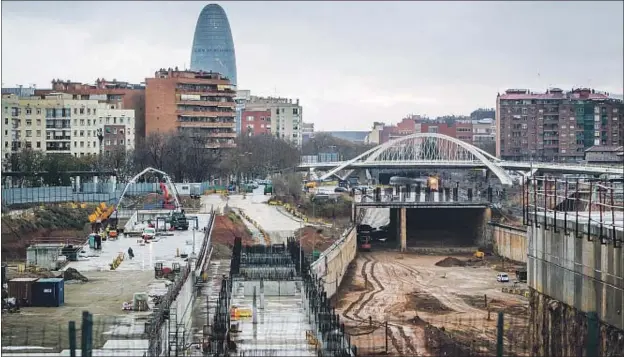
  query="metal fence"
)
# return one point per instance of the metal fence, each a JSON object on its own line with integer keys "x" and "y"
{"x": 593, "y": 207}
{"x": 87, "y": 192}
{"x": 122, "y": 334}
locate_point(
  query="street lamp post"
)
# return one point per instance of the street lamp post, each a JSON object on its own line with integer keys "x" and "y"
{"x": 100, "y": 136}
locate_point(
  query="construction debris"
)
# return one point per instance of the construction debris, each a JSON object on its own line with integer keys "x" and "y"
{"x": 450, "y": 262}
{"x": 73, "y": 274}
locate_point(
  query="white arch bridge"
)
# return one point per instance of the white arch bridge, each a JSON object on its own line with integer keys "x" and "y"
{"x": 432, "y": 150}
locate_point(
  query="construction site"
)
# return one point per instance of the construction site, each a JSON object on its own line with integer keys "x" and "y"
{"x": 125, "y": 263}
{"x": 397, "y": 303}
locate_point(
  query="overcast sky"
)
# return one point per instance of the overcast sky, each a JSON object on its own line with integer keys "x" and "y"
{"x": 350, "y": 63}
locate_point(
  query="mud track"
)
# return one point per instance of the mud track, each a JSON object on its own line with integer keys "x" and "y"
{"x": 355, "y": 303}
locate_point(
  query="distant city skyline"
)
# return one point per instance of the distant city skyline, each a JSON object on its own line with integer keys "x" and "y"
{"x": 347, "y": 73}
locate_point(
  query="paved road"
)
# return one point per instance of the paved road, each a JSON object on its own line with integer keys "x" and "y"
{"x": 278, "y": 224}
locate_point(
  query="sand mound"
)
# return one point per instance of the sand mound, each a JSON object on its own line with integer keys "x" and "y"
{"x": 450, "y": 262}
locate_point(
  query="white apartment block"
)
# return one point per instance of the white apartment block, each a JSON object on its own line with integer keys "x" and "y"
{"x": 286, "y": 116}
{"x": 56, "y": 123}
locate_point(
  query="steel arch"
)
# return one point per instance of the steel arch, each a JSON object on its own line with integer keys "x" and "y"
{"x": 428, "y": 147}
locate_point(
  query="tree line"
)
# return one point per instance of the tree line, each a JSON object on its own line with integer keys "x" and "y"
{"x": 184, "y": 157}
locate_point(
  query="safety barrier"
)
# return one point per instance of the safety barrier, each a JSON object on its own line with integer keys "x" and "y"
{"x": 265, "y": 236}
{"x": 515, "y": 291}
{"x": 296, "y": 213}
{"x": 117, "y": 261}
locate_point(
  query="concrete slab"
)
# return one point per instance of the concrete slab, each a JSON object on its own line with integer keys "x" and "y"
{"x": 164, "y": 250}
{"x": 280, "y": 329}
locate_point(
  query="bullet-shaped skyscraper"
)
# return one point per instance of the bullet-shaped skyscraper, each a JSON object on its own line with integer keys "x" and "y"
{"x": 213, "y": 47}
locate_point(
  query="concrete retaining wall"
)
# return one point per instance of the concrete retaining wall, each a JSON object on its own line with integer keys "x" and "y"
{"x": 509, "y": 242}
{"x": 583, "y": 274}
{"x": 332, "y": 264}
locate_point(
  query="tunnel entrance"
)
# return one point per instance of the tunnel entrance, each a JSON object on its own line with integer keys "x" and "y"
{"x": 440, "y": 227}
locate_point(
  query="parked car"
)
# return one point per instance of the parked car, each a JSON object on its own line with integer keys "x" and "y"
{"x": 340, "y": 189}
{"x": 148, "y": 233}
{"x": 502, "y": 277}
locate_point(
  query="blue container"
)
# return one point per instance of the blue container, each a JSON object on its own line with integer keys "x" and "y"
{"x": 48, "y": 292}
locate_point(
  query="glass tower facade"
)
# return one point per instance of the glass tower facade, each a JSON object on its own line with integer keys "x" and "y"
{"x": 213, "y": 47}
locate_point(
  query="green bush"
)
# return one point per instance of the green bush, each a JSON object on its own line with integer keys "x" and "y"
{"x": 341, "y": 207}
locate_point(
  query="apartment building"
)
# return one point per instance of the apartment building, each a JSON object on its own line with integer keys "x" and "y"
{"x": 556, "y": 125}
{"x": 484, "y": 133}
{"x": 117, "y": 94}
{"x": 242, "y": 96}
{"x": 200, "y": 104}
{"x": 286, "y": 116}
{"x": 256, "y": 122}
{"x": 57, "y": 123}
{"x": 307, "y": 132}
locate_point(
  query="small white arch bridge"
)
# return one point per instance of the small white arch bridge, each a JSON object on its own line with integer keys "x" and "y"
{"x": 425, "y": 150}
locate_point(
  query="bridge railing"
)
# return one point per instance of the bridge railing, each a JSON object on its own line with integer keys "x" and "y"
{"x": 442, "y": 195}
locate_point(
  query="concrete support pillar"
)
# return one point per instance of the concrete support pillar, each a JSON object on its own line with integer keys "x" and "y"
{"x": 261, "y": 294}
{"x": 353, "y": 212}
{"x": 254, "y": 311}
{"x": 403, "y": 225}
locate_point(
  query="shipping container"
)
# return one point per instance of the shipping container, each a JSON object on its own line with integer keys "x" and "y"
{"x": 21, "y": 290}
{"x": 48, "y": 292}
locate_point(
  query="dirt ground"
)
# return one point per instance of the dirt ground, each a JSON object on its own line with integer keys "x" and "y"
{"x": 103, "y": 296}
{"x": 315, "y": 238}
{"x": 223, "y": 234}
{"x": 407, "y": 290}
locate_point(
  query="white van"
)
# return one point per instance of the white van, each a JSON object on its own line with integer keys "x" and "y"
{"x": 502, "y": 277}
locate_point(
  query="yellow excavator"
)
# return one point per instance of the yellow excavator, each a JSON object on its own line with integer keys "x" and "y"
{"x": 479, "y": 254}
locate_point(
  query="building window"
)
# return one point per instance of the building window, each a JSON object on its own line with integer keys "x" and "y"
{"x": 82, "y": 144}
{"x": 38, "y": 111}
{"x": 81, "y": 110}
{"x": 29, "y": 133}
{"x": 38, "y": 144}
{"x": 295, "y": 111}
{"x": 38, "y": 122}
{"x": 81, "y": 132}
{"x": 28, "y": 111}
{"x": 114, "y": 120}
{"x": 38, "y": 133}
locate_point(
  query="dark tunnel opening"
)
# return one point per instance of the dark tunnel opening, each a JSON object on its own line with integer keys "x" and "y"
{"x": 440, "y": 227}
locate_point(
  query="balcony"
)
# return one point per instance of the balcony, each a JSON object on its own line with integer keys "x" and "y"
{"x": 206, "y": 103}
{"x": 220, "y": 135}
{"x": 226, "y": 92}
{"x": 64, "y": 138}
{"x": 220, "y": 145}
{"x": 206, "y": 124}
{"x": 190, "y": 113}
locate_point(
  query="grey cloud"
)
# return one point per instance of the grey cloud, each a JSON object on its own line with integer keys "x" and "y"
{"x": 350, "y": 63}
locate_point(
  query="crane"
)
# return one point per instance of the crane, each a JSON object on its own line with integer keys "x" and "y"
{"x": 173, "y": 191}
